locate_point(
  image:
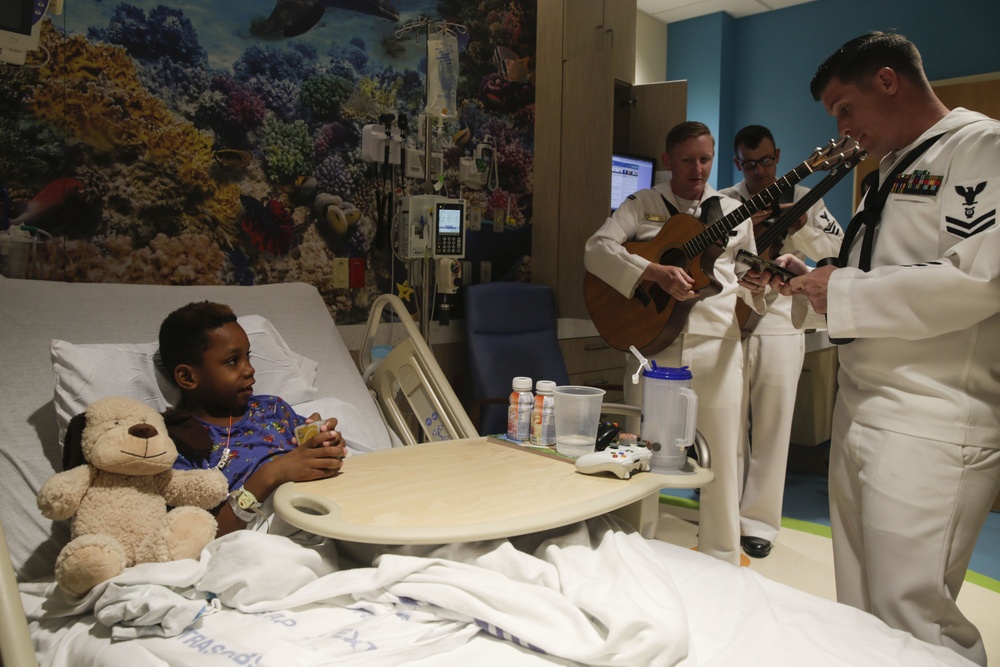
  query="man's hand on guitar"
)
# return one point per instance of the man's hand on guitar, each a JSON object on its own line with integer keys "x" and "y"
{"x": 674, "y": 280}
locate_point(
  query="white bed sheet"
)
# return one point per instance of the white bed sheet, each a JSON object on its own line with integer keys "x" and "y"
{"x": 591, "y": 594}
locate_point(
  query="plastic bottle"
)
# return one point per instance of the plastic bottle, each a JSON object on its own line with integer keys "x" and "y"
{"x": 543, "y": 425}
{"x": 519, "y": 412}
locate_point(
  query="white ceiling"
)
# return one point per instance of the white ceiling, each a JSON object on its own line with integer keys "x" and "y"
{"x": 669, "y": 11}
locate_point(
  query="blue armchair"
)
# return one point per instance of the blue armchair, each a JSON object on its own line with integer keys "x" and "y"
{"x": 510, "y": 330}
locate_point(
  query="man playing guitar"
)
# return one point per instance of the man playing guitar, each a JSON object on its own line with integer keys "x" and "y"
{"x": 775, "y": 347}
{"x": 709, "y": 342}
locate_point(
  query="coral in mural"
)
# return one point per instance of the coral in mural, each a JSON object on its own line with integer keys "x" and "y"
{"x": 278, "y": 64}
{"x": 189, "y": 259}
{"x": 323, "y": 94}
{"x": 287, "y": 148}
{"x": 166, "y": 33}
{"x": 214, "y": 157}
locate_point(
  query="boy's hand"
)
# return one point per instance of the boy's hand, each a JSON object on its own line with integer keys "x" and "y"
{"x": 319, "y": 457}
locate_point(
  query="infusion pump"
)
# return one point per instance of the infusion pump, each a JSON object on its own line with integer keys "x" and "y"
{"x": 431, "y": 226}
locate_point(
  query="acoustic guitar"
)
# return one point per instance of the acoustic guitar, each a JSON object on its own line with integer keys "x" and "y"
{"x": 651, "y": 319}
{"x": 770, "y": 235}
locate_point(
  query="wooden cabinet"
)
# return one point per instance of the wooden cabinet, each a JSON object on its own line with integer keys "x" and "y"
{"x": 590, "y": 26}
{"x": 813, "y": 416}
{"x": 579, "y": 110}
{"x": 591, "y": 361}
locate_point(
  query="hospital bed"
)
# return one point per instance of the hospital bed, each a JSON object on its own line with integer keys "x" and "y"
{"x": 595, "y": 592}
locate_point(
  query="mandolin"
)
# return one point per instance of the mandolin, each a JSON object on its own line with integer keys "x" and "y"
{"x": 770, "y": 237}
{"x": 651, "y": 319}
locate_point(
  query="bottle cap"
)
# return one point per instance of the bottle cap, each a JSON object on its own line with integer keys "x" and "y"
{"x": 545, "y": 386}
{"x": 522, "y": 384}
{"x": 666, "y": 373}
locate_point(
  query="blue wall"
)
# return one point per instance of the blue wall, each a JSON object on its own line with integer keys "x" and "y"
{"x": 757, "y": 69}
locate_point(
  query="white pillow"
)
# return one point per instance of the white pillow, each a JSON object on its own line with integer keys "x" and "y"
{"x": 87, "y": 372}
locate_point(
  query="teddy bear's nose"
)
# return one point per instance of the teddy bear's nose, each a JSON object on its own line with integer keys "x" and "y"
{"x": 144, "y": 431}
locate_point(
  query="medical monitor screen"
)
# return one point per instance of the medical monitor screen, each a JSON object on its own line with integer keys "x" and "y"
{"x": 629, "y": 173}
{"x": 449, "y": 229}
{"x": 449, "y": 220}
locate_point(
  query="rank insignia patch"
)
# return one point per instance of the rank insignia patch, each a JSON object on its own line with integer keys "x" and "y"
{"x": 976, "y": 216}
{"x": 920, "y": 182}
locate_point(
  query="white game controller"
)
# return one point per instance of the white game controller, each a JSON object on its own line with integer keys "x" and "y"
{"x": 622, "y": 461}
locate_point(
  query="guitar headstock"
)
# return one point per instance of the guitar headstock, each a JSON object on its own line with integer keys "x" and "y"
{"x": 837, "y": 152}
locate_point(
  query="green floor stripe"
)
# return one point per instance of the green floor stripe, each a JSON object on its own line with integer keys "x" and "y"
{"x": 686, "y": 503}
{"x": 989, "y": 583}
{"x": 805, "y": 526}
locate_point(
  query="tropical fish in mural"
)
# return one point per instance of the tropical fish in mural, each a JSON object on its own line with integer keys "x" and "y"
{"x": 510, "y": 66}
{"x": 269, "y": 226}
{"x": 51, "y": 196}
{"x": 295, "y": 17}
{"x": 233, "y": 157}
{"x": 462, "y": 136}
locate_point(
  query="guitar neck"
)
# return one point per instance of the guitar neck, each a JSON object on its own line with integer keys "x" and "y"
{"x": 776, "y": 230}
{"x": 763, "y": 199}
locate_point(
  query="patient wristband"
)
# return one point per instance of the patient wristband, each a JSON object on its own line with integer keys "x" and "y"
{"x": 245, "y": 505}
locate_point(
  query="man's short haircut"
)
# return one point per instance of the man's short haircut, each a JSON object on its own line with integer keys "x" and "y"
{"x": 751, "y": 136}
{"x": 184, "y": 333}
{"x": 686, "y": 130}
{"x": 859, "y": 59}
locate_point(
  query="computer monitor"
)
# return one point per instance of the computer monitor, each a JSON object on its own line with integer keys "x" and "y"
{"x": 20, "y": 27}
{"x": 629, "y": 173}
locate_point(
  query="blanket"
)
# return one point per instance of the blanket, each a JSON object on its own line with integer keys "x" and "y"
{"x": 589, "y": 593}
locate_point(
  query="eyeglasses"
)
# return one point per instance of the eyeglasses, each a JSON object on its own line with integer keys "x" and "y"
{"x": 750, "y": 165}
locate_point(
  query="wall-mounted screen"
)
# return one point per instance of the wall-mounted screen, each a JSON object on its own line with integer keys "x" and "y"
{"x": 629, "y": 173}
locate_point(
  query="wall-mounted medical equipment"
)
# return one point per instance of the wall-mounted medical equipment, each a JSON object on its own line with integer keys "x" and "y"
{"x": 21, "y": 26}
{"x": 430, "y": 226}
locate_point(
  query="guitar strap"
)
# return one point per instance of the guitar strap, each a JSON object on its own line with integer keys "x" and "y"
{"x": 711, "y": 209}
{"x": 670, "y": 207}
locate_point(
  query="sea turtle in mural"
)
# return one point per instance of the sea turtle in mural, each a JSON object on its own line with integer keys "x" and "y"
{"x": 295, "y": 17}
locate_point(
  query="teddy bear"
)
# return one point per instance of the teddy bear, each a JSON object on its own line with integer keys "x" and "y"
{"x": 117, "y": 484}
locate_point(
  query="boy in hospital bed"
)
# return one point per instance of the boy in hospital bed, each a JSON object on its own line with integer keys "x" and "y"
{"x": 254, "y": 440}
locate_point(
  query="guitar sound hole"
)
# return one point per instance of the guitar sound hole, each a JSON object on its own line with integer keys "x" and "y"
{"x": 674, "y": 257}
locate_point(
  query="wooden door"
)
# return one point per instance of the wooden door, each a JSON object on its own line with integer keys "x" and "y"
{"x": 585, "y": 170}
{"x": 619, "y": 31}
{"x": 654, "y": 109}
{"x": 582, "y": 28}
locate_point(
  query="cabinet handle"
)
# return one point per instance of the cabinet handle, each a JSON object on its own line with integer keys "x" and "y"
{"x": 597, "y": 347}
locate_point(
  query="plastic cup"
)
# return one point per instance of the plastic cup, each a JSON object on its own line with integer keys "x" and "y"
{"x": 577, "y": 415}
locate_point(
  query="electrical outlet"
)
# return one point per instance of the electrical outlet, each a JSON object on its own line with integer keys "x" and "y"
{"x": 474, "y": 217}
{"x": 484, "y": 271}
{"x": 341, "y": 273}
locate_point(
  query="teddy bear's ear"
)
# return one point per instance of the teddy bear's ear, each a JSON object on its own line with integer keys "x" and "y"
{"x": 73, "y": 443}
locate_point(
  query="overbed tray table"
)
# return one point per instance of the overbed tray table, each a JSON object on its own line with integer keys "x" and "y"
{"x": 467, "y": 490}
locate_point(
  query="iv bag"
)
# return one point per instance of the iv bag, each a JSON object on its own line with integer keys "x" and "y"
{"x": 442, "y": 75}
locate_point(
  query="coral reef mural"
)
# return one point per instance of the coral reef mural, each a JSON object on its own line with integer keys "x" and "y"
{"x": 180, "y": 142}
